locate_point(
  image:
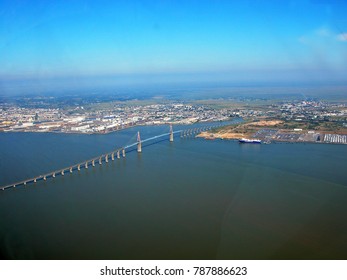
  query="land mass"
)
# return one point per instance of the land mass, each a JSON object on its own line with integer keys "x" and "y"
{"x": 272, "y": 130}
{"x": 267, "y": 117}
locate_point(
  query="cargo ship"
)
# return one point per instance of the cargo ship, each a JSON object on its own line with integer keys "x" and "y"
{"x": 250, "y": 141}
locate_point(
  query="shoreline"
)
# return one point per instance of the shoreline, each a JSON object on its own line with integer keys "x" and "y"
{"x": 275, "y": 130}
{"x": 107, "y": 131}
{"x": 218, "y": 136}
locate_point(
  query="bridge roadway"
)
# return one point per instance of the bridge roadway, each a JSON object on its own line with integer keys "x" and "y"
{"x": 99, "y": 159}
{"x": 103, "y": 158}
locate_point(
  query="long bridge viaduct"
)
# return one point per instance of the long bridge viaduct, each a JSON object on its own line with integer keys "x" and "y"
{"x": 110, "y": 156}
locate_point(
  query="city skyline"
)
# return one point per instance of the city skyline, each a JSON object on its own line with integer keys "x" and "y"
{"x": 170, "y": 41}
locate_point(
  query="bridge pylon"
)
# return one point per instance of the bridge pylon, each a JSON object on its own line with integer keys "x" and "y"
{"x": 139, "y": 144}
{"x": 171, "y": 133}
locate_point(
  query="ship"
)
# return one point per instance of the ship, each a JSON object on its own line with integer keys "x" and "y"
{"x": 250, "y": 141}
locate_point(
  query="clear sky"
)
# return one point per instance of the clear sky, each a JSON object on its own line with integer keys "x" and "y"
{"x": 240, "y": 39}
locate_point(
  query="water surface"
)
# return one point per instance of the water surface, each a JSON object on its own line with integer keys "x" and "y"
{"x": 191, "y": 199}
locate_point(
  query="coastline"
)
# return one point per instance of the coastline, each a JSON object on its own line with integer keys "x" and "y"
{"x": 272, "y": 131}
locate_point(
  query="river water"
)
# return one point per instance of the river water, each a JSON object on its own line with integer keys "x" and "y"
{"x": 190, "y": 199}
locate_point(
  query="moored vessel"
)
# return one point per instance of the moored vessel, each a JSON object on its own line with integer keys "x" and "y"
{"x": 250, "y": 141}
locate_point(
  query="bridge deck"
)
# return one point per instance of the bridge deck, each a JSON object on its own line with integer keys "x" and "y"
{"x": 101, "y": 158}
{"x": 81, "y": 164}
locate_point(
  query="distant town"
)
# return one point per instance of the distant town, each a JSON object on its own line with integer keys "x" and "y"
{"x": 293, "y": 121}
{"x": 104, "y": 120}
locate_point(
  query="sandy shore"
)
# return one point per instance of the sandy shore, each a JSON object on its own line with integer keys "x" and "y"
{"x": 265, "y": 123}
{"x": 224, "y": 135}
{"x": 245, "y": 130}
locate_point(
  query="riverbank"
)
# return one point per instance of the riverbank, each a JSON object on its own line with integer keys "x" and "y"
{"x": 274, "y": 131}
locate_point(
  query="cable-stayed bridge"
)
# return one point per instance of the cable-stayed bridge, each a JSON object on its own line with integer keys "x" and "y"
{"x": 110, "y": 156}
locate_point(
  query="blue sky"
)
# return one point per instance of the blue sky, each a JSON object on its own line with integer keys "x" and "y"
{"x": 240, "y": 39}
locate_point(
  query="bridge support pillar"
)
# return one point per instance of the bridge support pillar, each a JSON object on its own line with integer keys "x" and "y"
{"x": 93, "y": 163}
{"x": 118, "y": 154}
{"x": 79, "y": 167}
{"x": 100, "y": 162}
{"x": 25, "y": 183}
{"x": 106, "y": 158}
{"x": 14, "y": 186}
{"x": 123, "y": 152}
{"x": 53, "y": 175}
{"x": 70, "y": 169}
{"x": 171, "y": 133}
{"x": 35, "y": 180}
{"x": 139, "y": 144}
{"x": 44, "y": 178}
{"x": 62, "y": 173}
{"x": 112, "y": 156}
